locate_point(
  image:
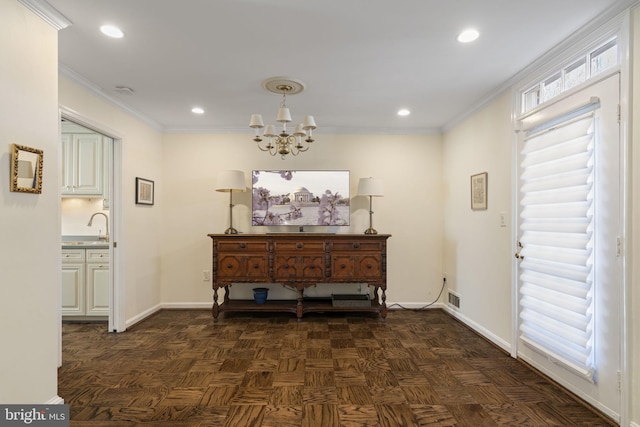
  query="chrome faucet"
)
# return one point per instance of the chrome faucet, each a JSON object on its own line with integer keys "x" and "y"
{"x": 106, "y": 218}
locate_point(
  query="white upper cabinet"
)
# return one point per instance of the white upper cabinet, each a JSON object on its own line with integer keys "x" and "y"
{"x": 82, "y": 165}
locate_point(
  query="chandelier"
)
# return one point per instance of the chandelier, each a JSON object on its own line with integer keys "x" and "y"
{"x": 283, "y": 143}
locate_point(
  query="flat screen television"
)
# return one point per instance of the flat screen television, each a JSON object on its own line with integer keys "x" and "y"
{"x": 300, "y": 197}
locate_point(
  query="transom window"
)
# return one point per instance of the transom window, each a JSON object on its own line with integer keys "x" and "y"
{"x": 584, "y": 68}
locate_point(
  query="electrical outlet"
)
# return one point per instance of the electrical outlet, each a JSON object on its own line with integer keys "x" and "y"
{"x": 206, "y": 276}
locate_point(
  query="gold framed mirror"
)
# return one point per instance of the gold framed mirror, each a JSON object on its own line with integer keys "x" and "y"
{"x": 26, "y": 169}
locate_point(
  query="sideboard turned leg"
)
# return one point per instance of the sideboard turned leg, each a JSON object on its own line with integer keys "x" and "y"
{"x": 299, "y": 305}
{"x": 383, "y": 308}
{"x": 215, "y": 310}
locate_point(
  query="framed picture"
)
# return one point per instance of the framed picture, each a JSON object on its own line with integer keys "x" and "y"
{"x": 26, "y": 169}
{"x": 479, "y": 191}
{"x": 144, "y": 191}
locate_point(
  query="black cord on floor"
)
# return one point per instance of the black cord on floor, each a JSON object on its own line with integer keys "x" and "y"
{"x": 444, "y": 282}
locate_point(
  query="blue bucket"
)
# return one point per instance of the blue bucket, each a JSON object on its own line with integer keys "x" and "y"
{"x": 260, "y": 295}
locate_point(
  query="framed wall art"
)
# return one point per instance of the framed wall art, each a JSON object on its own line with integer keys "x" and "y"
{"x": 479, "y": 190}
{"x": 144, "y": 191}
{"x": 26, "y": 169}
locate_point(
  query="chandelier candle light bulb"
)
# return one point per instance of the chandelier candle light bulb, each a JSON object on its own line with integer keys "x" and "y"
{"x": 283, "y": 143}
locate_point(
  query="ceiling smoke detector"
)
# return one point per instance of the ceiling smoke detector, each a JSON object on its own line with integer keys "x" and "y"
{"x": 124, "y": 90}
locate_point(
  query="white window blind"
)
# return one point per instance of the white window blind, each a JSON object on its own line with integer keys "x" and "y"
{"x": 557, "y": 212}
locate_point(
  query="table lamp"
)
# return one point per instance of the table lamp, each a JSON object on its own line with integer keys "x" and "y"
{"x": 229, "y": 181}
{"x": 371, "y": 187}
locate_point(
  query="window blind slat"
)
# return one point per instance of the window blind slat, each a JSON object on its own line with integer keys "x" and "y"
{"x": 574, "y": 335}
{"x": 568, "y": 179}
{"x": 561, "y": 255}
{"x": 570, "y": 225}
{"x": 547, "y": 169}
{"x": 558, "y": 240}
{"x": 558, "y": 195}
{"x": 563, "y": 150}
{"x": 567, "y": 210}
{"x": 568, "y": 286}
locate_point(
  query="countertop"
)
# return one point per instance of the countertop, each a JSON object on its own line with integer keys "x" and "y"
{"x": 83, "y": 242}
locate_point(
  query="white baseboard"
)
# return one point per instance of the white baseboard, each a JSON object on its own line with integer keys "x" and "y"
{"x": 173, "y": 305}
{"x": 187, "y": 305}
{"x": 479, "y": 329}
{"x": 141, "y": 316}
{"x": 413, "y": 305}
{"x": 207, "y": 305}
{"x": 55, "y": 401}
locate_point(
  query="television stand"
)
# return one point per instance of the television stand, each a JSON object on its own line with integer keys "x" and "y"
{"x": 299, "y": 260}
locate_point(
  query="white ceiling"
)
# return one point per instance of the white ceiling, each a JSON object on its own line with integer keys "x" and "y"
{"x": 361, "y": 60}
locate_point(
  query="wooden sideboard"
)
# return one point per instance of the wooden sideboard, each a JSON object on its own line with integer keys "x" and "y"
{"x": 299, "y": 260}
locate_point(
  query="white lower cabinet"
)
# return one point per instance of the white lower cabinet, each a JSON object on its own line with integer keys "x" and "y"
{"x": 85, "y": 282}
{"x": 73, "y": 282}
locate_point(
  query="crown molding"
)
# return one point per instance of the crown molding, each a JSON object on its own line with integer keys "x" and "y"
{"x": 325, "y": 130}
{"x": 605, "y": 22}
{"x": 48, "y": 13}
{"x": 96, "y": 90}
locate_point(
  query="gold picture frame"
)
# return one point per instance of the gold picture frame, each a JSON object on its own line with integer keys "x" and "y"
{"x": 479, "y": 190}
{"x": 26, "y": 169}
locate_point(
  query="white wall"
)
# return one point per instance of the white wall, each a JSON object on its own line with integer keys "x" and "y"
{"x": 76, "y": 212}
{"x": 139, "y": 270}
{"x": 410, "y": 210}
{"x": 29, "y": 223}
{"x": 477, "y": 250}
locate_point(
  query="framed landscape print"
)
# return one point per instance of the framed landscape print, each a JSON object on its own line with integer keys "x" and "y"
{"x": 479, "y": 191}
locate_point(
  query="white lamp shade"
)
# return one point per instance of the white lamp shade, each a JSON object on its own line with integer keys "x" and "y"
{"x": 270, "y": 131}
{"x": 370, "y": 187}
{"x": 308, "y": 123}
{"x": 256, "y": 121}
{"x": 299, "y": 131}
{"x": 230, "y": 180}
{"x": 283, "y": 115}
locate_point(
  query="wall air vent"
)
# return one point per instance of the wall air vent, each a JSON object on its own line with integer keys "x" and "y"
{"x": 454, "y": 299}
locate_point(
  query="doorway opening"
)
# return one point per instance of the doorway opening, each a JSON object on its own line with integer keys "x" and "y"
{"x": 89, "y": 209}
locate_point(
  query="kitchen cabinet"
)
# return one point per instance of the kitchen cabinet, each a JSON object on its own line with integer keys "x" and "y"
{"x": 82, "y": 165}
{"x": 85, "y": 282}
{"x": 299, "y": 261}
{"x": 73, "y": 282}
{"x": 97, "y": 286}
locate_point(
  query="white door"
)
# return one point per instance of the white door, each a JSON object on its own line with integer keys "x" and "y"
{"x": 569, "y": 290}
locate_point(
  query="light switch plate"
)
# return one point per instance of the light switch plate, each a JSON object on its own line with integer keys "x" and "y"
{"x": 503, "y": 219}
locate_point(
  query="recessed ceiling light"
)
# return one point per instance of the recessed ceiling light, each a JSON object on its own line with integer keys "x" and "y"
{"x": 403, "y": 112}
{"x": 112, "y": 31}
{"x": 197, "y": 110}
{"x": 468, "y": 35}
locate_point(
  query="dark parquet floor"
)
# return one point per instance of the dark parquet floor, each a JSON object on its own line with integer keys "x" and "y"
{"x": 420, "y": 368}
